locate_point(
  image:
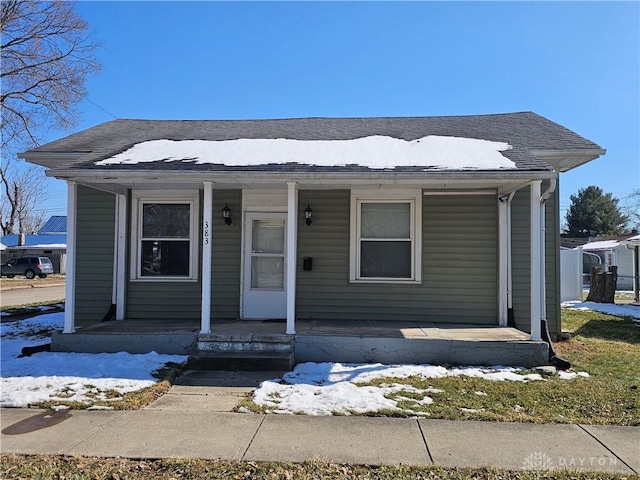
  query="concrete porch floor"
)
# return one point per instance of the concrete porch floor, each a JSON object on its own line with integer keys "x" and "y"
{"x": 349, "y": 328}
{"x": 324, "y": 340}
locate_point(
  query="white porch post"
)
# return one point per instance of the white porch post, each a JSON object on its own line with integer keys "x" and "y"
{"x": 120, "y": 271}
{"x": 534, "y": 209}
{"x": 207, "y": 220}
{"x": 509, "y": 259}
{"x": 292, "y": 229}
{"x": 70, "y": 276}
{"x": 503, "y": 259}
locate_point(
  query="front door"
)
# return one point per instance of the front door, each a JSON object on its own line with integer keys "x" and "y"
{"x": 265, "y": 282}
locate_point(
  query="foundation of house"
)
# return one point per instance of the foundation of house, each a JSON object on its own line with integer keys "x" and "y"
{"x": 236, "y": 343}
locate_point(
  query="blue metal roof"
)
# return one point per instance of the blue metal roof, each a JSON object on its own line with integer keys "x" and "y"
{"x": 56, "y": 225}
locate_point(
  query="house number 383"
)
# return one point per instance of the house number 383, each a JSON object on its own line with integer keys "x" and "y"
{"x": 206, "y": 233}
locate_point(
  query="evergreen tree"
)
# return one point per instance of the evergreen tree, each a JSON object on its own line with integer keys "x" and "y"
{"x": 593, "y": 213}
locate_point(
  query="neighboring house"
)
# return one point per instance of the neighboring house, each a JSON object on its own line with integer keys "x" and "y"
{"x": 589, "y": 260}
{"x": 50, "y": 241}
{"x": 614, "y": 251}
{"x": 572, "y": 242}
{"x": 439, "y": 220}
{"x": 56, "y": 225}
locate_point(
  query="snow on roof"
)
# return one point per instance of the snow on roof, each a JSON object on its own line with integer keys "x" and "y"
{"x": 635, "y": 240}
{"x": 378, "y": 152}
{"x": 601, "y": 245}
{"x": 43, "y": 246}
{"x": 38, "y": 241}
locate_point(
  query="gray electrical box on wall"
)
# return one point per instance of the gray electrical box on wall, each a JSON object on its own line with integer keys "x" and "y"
{"x": 307, "y": 264}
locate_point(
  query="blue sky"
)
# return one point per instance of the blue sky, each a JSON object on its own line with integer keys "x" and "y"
{"x": 576, "y": 63}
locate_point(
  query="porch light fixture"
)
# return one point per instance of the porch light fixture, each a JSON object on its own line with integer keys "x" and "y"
{"x": 226, "y": 214}
{"x": 308, "y": 215}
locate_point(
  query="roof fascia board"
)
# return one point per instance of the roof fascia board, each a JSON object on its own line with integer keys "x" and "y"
{"x": 351, "y": 177}
{"x": 565, "y": 160}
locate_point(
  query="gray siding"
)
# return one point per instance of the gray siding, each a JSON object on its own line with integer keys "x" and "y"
{"x": 521, "y": 270}
{"x": 459, "y": 264}
{"x": 162, "y": 300}
{"x": 227, "y": 248}
{"x": 94, "y": 254}
{"x": 460, "y": 250}
{"x": 521, "y": 239}
{"x": 182, "y": 300}
{"x": 166, "y": 300}
{"x": 552, "y": 266}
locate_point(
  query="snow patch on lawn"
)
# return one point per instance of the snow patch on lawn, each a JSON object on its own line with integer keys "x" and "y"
{"x": 57, "y": 376}
{"x": 632, "y": 311}
{"x": 336, "y": 388}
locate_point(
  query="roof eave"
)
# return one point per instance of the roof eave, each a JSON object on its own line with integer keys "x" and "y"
{"x": 52, "y": 159}
{"x": 565, "y": 160}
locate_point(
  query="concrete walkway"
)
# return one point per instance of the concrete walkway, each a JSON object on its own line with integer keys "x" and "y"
{"x": 193, "y": 420}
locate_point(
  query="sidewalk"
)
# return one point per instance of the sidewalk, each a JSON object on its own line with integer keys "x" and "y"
{"x": 188, "y": 422}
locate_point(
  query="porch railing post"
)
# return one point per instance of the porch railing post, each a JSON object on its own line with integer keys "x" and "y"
{"x": 70, "y": 272}
{"x": 207, "y": 243}
{"x": 292, "y": 229}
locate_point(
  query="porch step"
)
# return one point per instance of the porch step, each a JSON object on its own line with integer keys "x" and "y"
{"x": 241, "y": 361}
{"x": 245, "y": 342}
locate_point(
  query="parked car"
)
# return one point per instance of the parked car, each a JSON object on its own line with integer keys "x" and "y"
{"x": 27, "y": 266}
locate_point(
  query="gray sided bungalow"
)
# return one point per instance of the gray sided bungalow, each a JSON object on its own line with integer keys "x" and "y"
{"x": 346, "y": 239}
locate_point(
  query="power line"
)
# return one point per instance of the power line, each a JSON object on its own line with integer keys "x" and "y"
{"x": 104, "y": 110}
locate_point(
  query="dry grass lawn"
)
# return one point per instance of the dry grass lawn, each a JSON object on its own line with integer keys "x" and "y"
{"x": 48, "y": 467}
{"x": 21, "y": 282}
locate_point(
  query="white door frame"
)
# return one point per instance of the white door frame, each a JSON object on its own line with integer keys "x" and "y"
{"x": 249, "y": 217}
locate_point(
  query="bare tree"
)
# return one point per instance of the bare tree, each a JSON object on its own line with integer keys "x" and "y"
{"x": 22, "y": 192}
{"x": 631, "y": 208}
{"x": 46, "y": 56}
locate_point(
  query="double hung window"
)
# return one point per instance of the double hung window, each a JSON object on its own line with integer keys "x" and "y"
{"x": 164, "y": 237}
{"x": 385, "y": 239}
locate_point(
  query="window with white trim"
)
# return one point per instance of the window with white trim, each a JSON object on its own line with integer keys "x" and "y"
{"x": 385, "y": 238}
{"x": 164, "y": 237}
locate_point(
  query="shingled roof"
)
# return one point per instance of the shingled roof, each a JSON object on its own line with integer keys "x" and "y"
{"x": 526, "y": 132}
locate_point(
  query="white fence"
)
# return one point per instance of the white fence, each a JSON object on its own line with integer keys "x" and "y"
{"x": 571, "y": 274}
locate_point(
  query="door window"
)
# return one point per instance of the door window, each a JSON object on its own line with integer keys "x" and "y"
{"x": 267, "y": 254}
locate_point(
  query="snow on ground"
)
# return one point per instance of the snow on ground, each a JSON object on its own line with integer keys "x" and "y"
{"x": 335, "y": 388}
{"x": 626, "y": 310}
{"x": 432, "y": 152}
{"x": 57, "y": 376}
{"x": 311, "y": 388}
